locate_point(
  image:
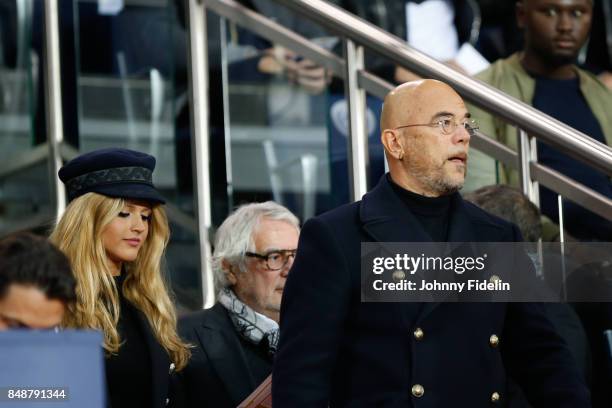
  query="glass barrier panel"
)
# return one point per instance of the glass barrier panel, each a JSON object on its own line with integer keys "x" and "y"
{"x": 131, "y": 80}
{"x": 183, "y": 261}
{"x": 25, "y": 200}
{"x": 24, "y": 194}
{"x": 283, "y": 144}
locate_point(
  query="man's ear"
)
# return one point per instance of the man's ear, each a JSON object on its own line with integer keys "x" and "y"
{"x": 391, "y": 142}
{"x": 228, "y": 269}
{"x": 520, "y": 14}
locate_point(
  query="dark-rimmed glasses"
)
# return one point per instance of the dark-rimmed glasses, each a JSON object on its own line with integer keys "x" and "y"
{"x": 275, "y": 260}
{"x": 447, "y": 126}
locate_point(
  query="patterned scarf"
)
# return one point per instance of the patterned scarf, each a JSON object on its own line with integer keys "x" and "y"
{"x": 252, "y": 326}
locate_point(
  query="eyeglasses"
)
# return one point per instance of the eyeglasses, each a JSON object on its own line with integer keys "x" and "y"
{"x": 448, "y": 126}
{"x": 275, "y": 260}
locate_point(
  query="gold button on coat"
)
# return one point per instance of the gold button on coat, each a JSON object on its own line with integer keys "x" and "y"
{"x": 418, "y": 333}
{"x": 494, "y": 340}
{"x": 418, "y": 390}
{"x": 398, "y": 275}
{"x": 494, "y": 279}
{"x": 495, "y": 397}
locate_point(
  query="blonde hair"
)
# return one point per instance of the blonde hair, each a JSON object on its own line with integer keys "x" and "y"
{"x": 79, "y": 235}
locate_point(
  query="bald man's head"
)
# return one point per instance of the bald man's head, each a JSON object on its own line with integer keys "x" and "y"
{"x": 410, "y": 98}
{"x": 398, "y": 103}
{"x": 425, "y": 149}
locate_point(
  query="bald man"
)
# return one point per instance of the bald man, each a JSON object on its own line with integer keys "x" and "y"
{"x": 337, "y": 351}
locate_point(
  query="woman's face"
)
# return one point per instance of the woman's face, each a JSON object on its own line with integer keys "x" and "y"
{"x": 127, "y": 232}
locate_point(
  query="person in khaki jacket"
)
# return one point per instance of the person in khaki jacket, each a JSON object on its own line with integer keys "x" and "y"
{"x": 544, "y": 75}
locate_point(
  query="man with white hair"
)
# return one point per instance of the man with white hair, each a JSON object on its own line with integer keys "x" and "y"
{"x": 236, "y": 339}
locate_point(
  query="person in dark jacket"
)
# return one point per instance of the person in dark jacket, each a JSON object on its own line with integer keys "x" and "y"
{"x": 512, "y": 205}
{"x": 114, "y": 231}
{"x": 236, "y": 339}
{"x": 337, "y": 351}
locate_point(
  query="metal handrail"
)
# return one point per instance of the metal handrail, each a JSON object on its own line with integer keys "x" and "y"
{"x": 361, "y": 32}
{"x": 474, "y": 91}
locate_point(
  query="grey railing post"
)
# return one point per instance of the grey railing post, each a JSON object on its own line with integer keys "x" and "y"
{"x": 562, "y": 243}
{"x": 53, "y": 104}
{"x": 358, "y": 137}
{"x": 227, "y": 135}
{"x": 561, "y": 219}
{"x": 198, "y": 75}
{"x": 533, "y": 155}
{"x": 526, "y": 154}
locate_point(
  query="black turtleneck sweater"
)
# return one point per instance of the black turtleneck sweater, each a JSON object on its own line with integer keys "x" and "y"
{"x": 433, "y": 213}
{"x": 128, "y": 373}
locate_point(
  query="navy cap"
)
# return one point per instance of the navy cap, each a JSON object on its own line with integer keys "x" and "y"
{"x": 113, "y": 172}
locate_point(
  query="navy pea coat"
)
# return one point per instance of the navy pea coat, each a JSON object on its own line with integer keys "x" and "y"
{"x": 336, "y": 350}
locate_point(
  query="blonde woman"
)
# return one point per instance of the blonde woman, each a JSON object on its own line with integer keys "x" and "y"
{"x": 115, "y": 231}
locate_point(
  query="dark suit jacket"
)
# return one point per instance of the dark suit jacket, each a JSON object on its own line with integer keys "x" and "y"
{"x": 335, "y": 349}
{"x": 219, "y": 374}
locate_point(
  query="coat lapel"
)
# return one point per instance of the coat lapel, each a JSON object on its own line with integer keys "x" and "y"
{"x": 387, "y": 219}
{"x": 160, "y": 364}
{"x": 460, "y": 229}
{"x": 220, "y": 342}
